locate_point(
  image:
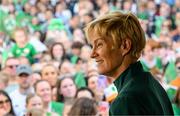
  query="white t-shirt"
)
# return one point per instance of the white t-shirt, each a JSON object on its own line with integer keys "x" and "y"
{"x": 19, "y": 101}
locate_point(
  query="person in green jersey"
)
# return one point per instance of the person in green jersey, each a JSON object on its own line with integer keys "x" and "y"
{"x": 117, "y": 41}
{"x": 22, "y": 47}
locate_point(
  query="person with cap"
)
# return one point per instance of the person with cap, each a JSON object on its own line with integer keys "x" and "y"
{"x": 18, "y": 96}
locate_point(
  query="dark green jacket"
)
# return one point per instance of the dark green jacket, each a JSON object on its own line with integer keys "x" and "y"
{"x": 139, "y": 93}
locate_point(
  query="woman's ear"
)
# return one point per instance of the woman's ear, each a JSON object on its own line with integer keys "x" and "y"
{"x": 126, "y": 46}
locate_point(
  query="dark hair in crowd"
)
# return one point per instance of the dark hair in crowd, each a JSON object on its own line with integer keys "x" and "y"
{"x": 60, "y": 97}
{"x": 52, "y": 47}
{"x": 83, "y": 107}
{"x": 5, "y": 94}
{"x": 85, "y": 89}
{"x": 76, "y": 45}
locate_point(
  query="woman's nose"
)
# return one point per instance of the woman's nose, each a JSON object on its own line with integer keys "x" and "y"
{"x": 93, "y": 53}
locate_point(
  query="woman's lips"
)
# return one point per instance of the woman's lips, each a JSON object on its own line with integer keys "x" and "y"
{"x": 99, "y": 61}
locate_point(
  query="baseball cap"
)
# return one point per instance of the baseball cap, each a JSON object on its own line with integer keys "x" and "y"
{"x": 23, "y": 69}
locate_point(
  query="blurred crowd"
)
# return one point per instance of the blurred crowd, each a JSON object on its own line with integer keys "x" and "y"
{"x": 45, "y": 64}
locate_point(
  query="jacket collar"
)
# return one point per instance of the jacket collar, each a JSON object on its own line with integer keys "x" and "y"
{"x": 128, "y": 74}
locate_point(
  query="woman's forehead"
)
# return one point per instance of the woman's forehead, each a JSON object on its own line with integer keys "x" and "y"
{"x": 95, "y": 37}
{"x": 67, "y": 80}
{"x": 2, "y": 95}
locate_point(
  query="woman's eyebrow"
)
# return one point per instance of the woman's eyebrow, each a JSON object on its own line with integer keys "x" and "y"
{"x": 95, "y": 41}
{"x": 98, "y": 39}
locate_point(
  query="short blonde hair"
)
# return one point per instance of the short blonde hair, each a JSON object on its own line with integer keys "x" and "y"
{"x": 119, "y": 26}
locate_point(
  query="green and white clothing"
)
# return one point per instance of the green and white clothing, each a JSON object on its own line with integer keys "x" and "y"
{"x": 28, "y": 51}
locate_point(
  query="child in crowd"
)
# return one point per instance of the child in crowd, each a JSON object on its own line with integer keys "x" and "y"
{"x": 22, "y": 47}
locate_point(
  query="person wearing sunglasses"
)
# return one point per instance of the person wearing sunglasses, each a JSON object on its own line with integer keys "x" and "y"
{"x": 10, "y": 66}
{"x": 5, "y": 104}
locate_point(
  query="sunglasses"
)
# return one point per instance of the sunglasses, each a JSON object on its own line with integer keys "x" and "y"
{"x": 12, "y": 66}
{"x": 3, "y": 102}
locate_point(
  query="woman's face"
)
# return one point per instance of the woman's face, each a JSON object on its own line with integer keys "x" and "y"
{"x": 43, "y": 89}
{"x": 93, "y": 82}
{"x": 67, "y": 88}
{"x": 108, "y": 58}
{"x": 35, "y": 102}
{"x": 50, "y": 74}
{"x": 5, "y": 106}
{"x": 57, "y": 51}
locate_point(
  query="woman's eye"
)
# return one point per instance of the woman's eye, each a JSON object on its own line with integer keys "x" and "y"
{"x": 99, "y": 44}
